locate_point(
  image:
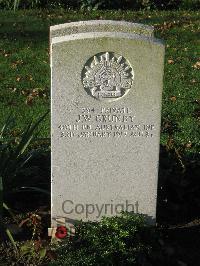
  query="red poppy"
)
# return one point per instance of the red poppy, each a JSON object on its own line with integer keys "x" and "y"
{"x": 61, "y": 232}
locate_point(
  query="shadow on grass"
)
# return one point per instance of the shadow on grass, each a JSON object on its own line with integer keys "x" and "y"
{"x": 36, "y": 173}
{"x": 178, "y": 189}
{"x": 178, "y": 199}
{"x": 177, "y": 205}
{"x": 36, "y": 36}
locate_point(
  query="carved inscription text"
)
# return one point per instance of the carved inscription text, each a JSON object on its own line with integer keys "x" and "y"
{"x": 106, "y": 123}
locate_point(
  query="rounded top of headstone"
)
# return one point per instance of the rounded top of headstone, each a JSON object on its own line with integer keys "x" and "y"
{"x": 100, "y": 26}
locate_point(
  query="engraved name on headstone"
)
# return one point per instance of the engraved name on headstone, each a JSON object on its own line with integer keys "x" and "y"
{"x": 106, "y": 109}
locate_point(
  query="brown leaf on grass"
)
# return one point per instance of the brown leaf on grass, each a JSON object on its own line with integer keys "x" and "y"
{"x": 25, "y": 92}
{"x": 29, "y": 100}
{"x": 34, "y": 93}
{"x": 197, "y": 101}
{"x": 18, "y": 79}
{"x": 169, "y": 127}
{"x": 188, "y": 145}
{"x": 16, "y": 132}
{"x": 197, "y": 113}
{"x": 196, "y": 65}
{"x": 38, "y": 92}
{"x": 16, "y": 63}
{"x": 173, "y": 98}
{"x": 183, "y": 22}
{"x": 13, "y": 66}
{"x": 170, "y": 61}
{"x": 13, "y": 89}
{"x": 166, "y": 25}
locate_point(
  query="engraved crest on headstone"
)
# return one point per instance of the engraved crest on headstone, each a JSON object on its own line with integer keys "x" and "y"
{"x": 107, "y": 75}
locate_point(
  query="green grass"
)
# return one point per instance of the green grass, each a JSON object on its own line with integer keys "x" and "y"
{"x": 25, "y": 71}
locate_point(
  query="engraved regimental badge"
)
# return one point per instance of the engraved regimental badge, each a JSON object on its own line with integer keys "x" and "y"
{"x": 107, "y": 75}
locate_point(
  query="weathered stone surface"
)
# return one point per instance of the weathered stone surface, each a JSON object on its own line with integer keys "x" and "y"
{"x": 106, "y": 106}
{"x": 100, "y": 26}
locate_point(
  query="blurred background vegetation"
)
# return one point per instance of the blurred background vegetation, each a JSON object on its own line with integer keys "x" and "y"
{"x": 101, "y": 4}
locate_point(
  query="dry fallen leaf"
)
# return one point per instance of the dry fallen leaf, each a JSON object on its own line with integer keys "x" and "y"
{"x": 13, "y": 89}
{"x": 16, "y": 63}
{"x": 197, "y": 113}
{"x": 170, "y": 61}
{"x": 34, "y": 93}
{"x": 173, "y": 98}
{"x": 197, "y": 65}
{"x": 189, "y": 144}
{"x": 29, "y": 100}
{"x": 197, "y": 101}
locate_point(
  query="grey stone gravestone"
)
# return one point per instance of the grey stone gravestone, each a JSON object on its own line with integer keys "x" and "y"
{"x": 100, "y": 26}
{"x": 106, "y": 106}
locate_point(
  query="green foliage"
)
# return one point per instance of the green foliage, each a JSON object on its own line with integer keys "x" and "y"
{"x": 100, "y": 4}
{"x": 27, "y": 253}
{"x": 31, "y": 4}
{"x": 30, "y": 253}
{"x": 12, "y": 150}
{"x": 117, "y": 4}
{"x": 139, "y": 4}
{"x": 112, "y": 241}
{"x": 190, "y": 4}
{"x": 13, "y": 157}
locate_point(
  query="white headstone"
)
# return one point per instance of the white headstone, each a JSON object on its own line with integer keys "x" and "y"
{"x": 106, "y": 109}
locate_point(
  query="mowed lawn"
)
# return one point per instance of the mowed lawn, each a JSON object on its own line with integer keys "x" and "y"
{"x": 25, "y": 70}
